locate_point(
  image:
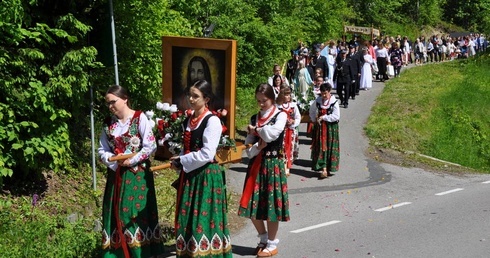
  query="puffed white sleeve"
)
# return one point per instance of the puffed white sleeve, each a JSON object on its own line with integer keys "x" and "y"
{"x": 297, "y": 117}
{"x": 313, "y": 110}
{"x": 271, "y": 132}
{"x": 335, "y": 116}
{"x": 105, "y": 151}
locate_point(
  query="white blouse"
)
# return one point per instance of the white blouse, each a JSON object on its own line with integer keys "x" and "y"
{"x": 382, "y": 52}
{"x": 148, "y": 142}
{"x": 210, "y": 139}
{"x": 334, "y": 117}
{"x": 268, "y": 133}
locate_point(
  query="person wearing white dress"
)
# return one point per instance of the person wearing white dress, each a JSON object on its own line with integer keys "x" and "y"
{"x": 366, "y": 72}
{"x": 331, "y": 69}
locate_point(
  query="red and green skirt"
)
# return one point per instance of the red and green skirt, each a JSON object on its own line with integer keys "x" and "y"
{"x": 269, "y": 198}
{"x": 325, "y": 150}
{"x": 201, "y": 220}
{"x": 130, "y": 215}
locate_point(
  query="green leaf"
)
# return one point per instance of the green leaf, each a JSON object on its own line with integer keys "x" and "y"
{"x": 28, "y": 151}
{"x": 17, "y": 146}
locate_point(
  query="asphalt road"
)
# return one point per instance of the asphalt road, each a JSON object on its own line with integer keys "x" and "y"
{"x": 373, "y": 209}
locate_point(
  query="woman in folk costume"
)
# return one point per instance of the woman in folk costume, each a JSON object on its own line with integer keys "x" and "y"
{"x": 265, "y": 192}
{"x": 277, "y": 84}
{"x": 291, "y": 139}
{"x": 129, "y": 209}
{"x": 200, "y": 218}
{"x": 325, "y": 151}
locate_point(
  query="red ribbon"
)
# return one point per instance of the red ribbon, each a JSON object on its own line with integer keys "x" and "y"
{"x": 250, "y": 181}
{"x": 180, "y": 190}
{"x": 288, "y": 145}
{"x": 119, "y": 223}
{"x": 323, "y": 136}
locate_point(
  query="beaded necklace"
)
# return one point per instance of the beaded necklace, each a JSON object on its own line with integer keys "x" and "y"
{"x": 262, "y": 121}
{"x": 193, "y": 122}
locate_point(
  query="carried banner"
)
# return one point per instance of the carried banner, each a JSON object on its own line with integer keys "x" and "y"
{"x": 361, "y": 30}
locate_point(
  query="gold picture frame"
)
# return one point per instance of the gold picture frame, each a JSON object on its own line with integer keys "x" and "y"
{"x": 216, "y": 56}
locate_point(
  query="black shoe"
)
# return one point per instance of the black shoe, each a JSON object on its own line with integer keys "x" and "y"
{"x": 346, "y": 105}
{"x": 353, "y": 97}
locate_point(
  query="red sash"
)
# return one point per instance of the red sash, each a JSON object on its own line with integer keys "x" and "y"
{"x": 323, "y": 135}
{"x": 179, "y": 195}
{"x": 119, "y": 223}
{"x": 248, "y": 189}
{"x": 288, "y": 145}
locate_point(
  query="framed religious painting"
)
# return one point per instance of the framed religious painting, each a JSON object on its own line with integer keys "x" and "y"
{"x": 186, "y": 60}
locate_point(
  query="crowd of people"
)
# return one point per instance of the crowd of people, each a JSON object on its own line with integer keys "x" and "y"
{"x": 130, "y": 214}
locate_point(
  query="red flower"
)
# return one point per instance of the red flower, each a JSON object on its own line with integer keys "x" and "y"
{"x": 223, "y": 129}
{"x": 279, "y": 203}
{"x": 199, "y": 229}
{"x": 174, "y": 116}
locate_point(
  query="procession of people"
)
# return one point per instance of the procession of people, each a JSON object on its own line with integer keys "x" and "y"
{"x": 312, "y": 75}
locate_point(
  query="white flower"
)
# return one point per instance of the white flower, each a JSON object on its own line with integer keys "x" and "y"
{"x": 149, "y": 114}
{"x": 168, "y": 136}
{"x": 161, "y": 142}
{"x": 159, "y": 105}
{"x": 223, "y": 139}
{"x": 173, "y": 108}
{"x": 152, "y": 123}
{"x": 135, "y": 141}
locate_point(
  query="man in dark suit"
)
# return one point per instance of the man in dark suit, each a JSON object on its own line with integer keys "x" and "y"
{"x": 354, "y": 57}
{"x": 343, "y": 76}
{"x": 319, "y": 61}
{"x": 292, "y": 64}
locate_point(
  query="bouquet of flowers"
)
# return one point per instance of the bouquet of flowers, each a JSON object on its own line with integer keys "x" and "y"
{"x": 304, "y": 100}
{"x": 168, "y": 126}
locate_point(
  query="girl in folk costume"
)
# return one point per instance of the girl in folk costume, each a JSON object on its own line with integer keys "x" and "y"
{"x": 277, "y": 84}
{"x": 291, "y": 139}
{"x": 201, "y": 207}
{"x": 129, "y": 209}
{"x": 265, "y": 192}
{"x": 325, "y": 113}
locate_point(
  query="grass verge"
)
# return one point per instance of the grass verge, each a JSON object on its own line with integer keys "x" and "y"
{"x": 439, "y": 110}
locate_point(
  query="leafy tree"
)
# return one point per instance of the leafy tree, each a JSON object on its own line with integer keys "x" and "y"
{"x": 472, "y": 14}
{"x": 44, "y": 76}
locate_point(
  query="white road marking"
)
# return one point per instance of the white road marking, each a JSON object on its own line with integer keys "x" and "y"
{"x": 316, "y": 226}
{"x": 450, "y": 191}
{"x": 486, "y": 182}
{"x": 393, "y": 206}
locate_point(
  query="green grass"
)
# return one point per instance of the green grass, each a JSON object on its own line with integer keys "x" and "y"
{"x": 440, "y": 110}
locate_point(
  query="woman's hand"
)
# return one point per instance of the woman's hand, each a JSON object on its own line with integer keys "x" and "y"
{"x": 262, "y": 144}
{"x": 175, "y": 163}
{"x": 123, "y": 162}
{"x": 251, "y": 129}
